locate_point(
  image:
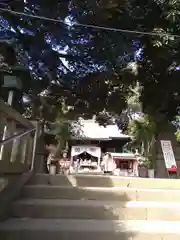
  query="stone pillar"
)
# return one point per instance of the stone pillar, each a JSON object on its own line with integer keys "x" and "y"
{"x": 39, "y": 157}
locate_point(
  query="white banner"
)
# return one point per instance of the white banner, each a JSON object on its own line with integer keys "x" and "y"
{"x": 93, "y": 151}
{"x": 168, "y": 154}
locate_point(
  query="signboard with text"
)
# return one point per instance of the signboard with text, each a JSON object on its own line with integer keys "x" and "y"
{"x": 168, "y": 154}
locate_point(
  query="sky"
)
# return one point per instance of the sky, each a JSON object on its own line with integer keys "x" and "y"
{"x": 8, "y": 32}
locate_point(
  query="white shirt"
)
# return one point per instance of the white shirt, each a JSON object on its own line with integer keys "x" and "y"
{"x": 50, "y": 158}
{"x": 109, "y": 164}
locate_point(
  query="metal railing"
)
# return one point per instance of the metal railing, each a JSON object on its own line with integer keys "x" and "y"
{"x": 16, "y": 136}
{"x": 18, "y": 140}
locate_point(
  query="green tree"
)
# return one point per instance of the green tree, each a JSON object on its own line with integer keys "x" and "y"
{"x": 143, "y": 131}
{"x": 178, "y": 135}
{"x": 177, "y": 125}
{"x": 134, "y": 105}
{"x": 63, "y": 127}
{"x": 104, "y": 53}
{"x": 63, "y": 133}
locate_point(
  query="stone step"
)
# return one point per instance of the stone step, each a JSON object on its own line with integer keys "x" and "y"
{"x": 99, "y": 210}
{"x": 55, "y": 229}
{"x": 123, "y": 194}
{"x": 4, "y": 181}
{"x": 104, "y": 181}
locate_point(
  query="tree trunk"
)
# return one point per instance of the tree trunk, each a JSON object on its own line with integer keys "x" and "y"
{"x": 167, "y": 132}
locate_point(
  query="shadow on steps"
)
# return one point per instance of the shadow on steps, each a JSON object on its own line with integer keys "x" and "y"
{"x": 102, "y": 227}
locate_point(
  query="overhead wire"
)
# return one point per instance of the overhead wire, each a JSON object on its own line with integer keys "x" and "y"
{"x": 92, "y": 26}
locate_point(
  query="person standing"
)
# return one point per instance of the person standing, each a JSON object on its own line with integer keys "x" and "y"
{"x": 64, "y": 163}
{"x": 52, "y": 158}
{"x": 108, "y": 163}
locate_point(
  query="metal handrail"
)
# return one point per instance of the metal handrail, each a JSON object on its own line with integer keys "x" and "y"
{"x": 16, "y": 136}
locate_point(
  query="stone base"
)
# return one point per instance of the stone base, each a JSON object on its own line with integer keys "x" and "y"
{"x": 161, "y": 171}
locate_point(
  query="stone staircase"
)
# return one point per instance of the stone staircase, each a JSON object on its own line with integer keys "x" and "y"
{"x": 95, "y": 207}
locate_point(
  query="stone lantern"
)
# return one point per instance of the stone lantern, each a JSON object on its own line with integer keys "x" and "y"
{"x": 12, "y": 84}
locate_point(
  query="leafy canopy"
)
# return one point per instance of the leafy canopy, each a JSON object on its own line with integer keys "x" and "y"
{"x": 91, "y": 64}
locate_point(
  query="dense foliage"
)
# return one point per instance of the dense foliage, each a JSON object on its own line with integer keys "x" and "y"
{"x": 96, "y": 75}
